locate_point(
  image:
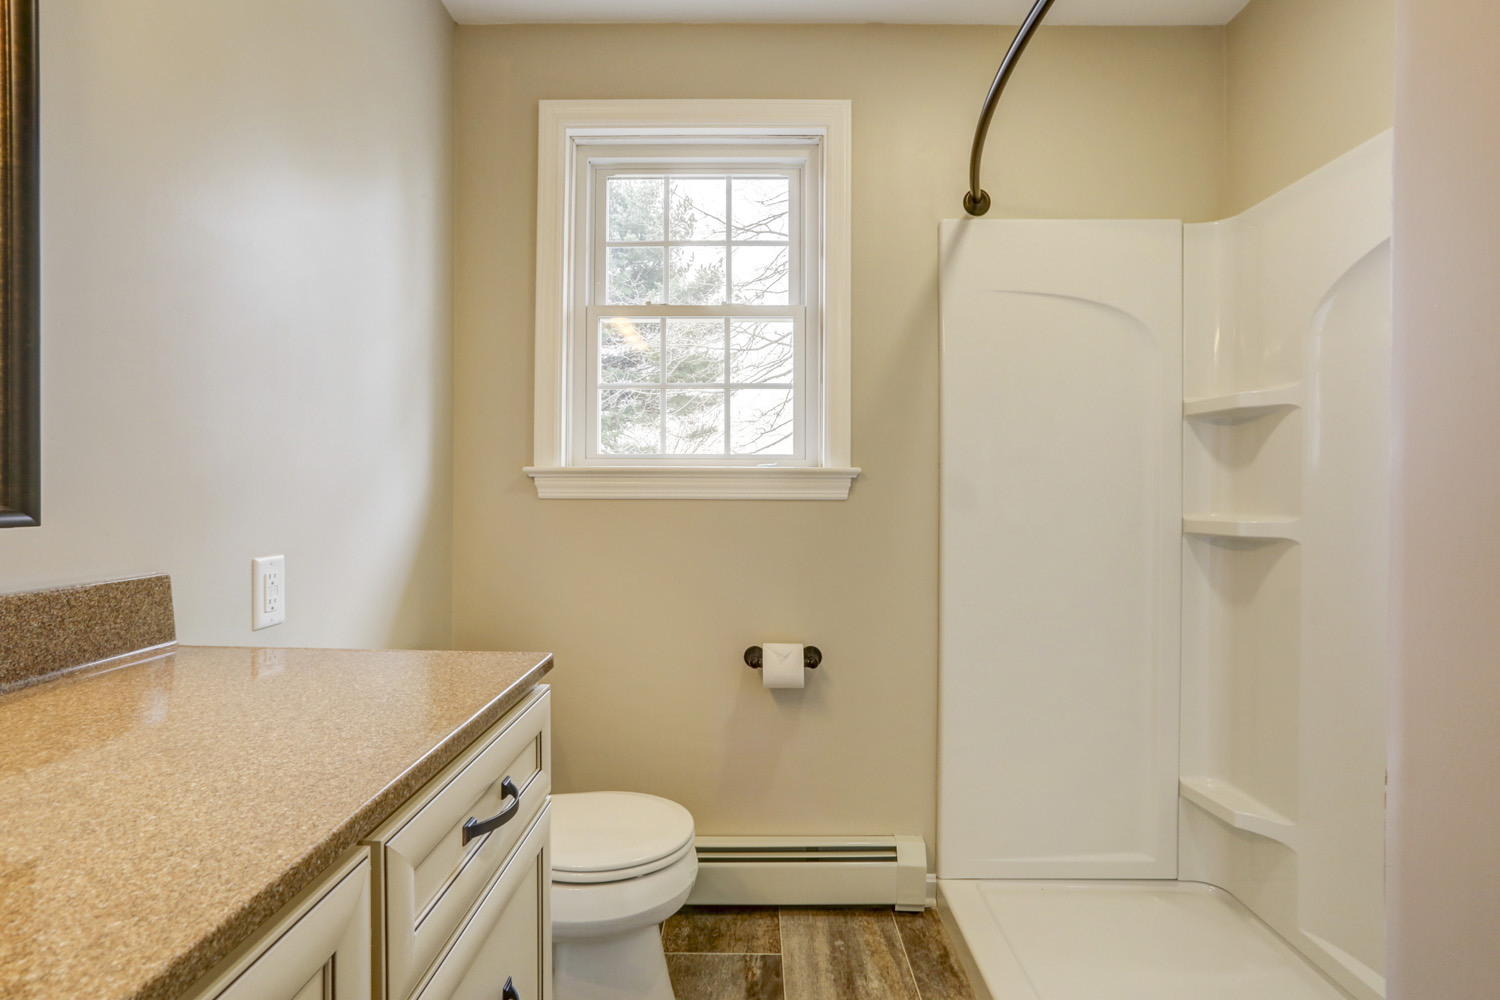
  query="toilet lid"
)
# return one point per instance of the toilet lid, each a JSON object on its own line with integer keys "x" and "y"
{"x": 594, "y": 833}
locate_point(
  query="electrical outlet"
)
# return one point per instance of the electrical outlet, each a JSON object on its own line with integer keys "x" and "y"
{"x": 267, "y": 591}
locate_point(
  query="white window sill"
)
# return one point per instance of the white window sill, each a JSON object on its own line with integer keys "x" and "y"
{"x": 692, "y": 483}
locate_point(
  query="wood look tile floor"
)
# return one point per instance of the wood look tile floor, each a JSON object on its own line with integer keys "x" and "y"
{"x": 799, "y": 953}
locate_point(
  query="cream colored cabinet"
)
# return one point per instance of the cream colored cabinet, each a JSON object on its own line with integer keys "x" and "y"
{"x": 319, "y": 950}
{"x": 504, "y": 947}
{"x": 447, "y": 900}
{"x": 431, "y": 875}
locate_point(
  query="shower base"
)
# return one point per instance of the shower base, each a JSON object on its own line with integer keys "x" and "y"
{"x": 1120, "y": 941}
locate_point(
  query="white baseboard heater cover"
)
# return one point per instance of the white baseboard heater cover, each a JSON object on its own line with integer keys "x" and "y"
{"x": 811, "y": 871}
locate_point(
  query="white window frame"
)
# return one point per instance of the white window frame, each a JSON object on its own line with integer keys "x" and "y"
{"x": 568, "y": 130}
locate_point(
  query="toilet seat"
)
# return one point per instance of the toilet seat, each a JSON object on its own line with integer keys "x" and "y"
{"x": 600, "y": 837}
{"x": 623, "y": 874}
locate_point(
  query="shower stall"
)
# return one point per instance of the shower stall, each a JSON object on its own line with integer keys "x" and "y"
{"x": 1164, "y": 579}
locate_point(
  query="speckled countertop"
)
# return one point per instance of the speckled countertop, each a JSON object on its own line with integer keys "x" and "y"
{"x": 153, "y": 815}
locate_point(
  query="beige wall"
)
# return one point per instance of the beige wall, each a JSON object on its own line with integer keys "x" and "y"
{"x": 246, "y": 310}
{"x": 649, "y": 604}
{"x": 1306, "y": 81}
{"x": 1444, "y": 819}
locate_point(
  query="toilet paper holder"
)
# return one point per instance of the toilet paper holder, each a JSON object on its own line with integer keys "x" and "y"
{"x": 811, "y": 657}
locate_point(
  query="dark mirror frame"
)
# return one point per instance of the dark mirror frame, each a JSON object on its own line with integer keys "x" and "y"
{"x": 20, "y": 286}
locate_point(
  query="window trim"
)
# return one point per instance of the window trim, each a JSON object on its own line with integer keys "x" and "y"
{"x": 564, "y": 127}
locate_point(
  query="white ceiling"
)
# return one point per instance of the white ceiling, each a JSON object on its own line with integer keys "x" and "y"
{"x": 825, "y": 11}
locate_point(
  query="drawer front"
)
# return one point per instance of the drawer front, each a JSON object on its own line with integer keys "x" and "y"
{"x": 321, "y": 951}
{"x": 431, "y": 878}
{"x": 508, "y": 938}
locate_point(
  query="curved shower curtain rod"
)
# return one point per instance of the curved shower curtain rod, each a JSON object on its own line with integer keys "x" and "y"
{"x": 976, "y": 199}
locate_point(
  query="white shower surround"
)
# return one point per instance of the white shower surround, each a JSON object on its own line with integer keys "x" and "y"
{"x": 1281, "y": 556}
{"x": 1062, "y": 457}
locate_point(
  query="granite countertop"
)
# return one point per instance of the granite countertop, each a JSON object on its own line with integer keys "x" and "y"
{"x": 154, "y": 814}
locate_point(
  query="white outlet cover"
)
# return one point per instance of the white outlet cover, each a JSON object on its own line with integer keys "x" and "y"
{"x": 267, "y": 591}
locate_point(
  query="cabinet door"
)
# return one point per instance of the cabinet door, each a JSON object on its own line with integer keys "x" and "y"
{"x": 320, "y": 952}
{"x": 508, "y": 936}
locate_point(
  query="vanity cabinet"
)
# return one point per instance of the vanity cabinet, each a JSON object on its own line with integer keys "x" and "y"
{"x": 431, "y": 879}
{"x": 448, "y": 899}
{"x": 503, "y": 950}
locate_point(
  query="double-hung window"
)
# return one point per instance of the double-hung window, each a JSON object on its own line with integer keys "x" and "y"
{"x": 694, "y": 330}
{"x": 693, "y": 300}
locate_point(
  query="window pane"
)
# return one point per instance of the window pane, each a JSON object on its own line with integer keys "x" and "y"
{"x": 697, "y": 208}
{"x": 761, "y": 207}
{"x": 630, "y": 421}
{"x": 760, "y": 350}
{"x": 695, "y": 350}
{"x": 629, "y": 350}
{"x": 635, "y": 209}
{"x": 761, "y": 421}
{"x": 697, "y": 276}
{"x": 762, "y": 276}
{"x": 632, "y": 276}
{"x": 695, "y": 422}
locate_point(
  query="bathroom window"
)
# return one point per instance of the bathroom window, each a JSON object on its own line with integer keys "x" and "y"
{"x": 695, "y": 342}
{"x": 692, "y": 300}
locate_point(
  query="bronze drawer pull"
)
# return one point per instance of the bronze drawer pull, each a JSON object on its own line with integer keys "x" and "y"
{"x": 476, "y": 828}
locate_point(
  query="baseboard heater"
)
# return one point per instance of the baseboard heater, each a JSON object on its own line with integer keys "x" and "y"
{"x": 811, "y": 871}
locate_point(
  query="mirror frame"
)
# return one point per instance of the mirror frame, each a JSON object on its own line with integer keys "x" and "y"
{"x": 20, "y": 270}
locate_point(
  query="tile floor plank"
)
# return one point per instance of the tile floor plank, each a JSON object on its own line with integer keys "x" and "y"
{"x": 724, "y": 930}
{"x": 843, "y": 954}
{"x": 726, "y": 977}
{"x": 939, "y": 976}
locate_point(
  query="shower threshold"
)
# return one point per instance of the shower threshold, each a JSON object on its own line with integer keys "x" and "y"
{"x": 1024, "y": 940}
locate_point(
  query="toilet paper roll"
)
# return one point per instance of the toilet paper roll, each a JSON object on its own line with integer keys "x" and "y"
{"x": 781, "y": 665}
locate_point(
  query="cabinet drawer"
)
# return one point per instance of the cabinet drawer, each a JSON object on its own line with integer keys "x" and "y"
{"x": 319, "y": 951}
{"x": 430, "y": 878}
{"x": 508, "y": 938}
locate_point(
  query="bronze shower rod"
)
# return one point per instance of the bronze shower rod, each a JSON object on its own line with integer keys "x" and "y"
{"x": 976, "y": 199}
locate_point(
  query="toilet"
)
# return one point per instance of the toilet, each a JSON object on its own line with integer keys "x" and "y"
{"x": 622, "y": 863}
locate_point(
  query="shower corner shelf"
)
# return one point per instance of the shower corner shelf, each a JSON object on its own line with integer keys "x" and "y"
{"x": 1239, "y": 809}
{"x": 1236, "y": 406}
{"x": 1216, "y": 526}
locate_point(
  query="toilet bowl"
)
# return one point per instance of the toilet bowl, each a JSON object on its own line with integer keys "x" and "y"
{"x": 622, "y": 863}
